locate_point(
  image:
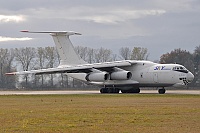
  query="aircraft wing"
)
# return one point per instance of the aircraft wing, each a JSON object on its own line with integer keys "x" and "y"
{"x": 84, "y": 68}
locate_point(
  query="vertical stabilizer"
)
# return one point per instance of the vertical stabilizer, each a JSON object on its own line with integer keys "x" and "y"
{"x": 66, "y": 51}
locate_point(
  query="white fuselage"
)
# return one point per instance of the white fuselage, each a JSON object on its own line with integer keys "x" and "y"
{"x": 158, "y": 75}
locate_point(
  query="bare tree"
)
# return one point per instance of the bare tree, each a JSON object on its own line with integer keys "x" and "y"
{"x": 82, "y": 52}
{"x": 139, "y": 53}
{"x": 6, "y": 59}
{"x": 197, "y": 49}
{"x": 103, "y": 55}
{"x": 25, "y": 57}
{"x": 10, "y": 81}
{"x": 91, "y": 54}
{"x": 41, "y": 59}
{"x": 114, "y": 57}
{"x": 125, "y": 53}
{"x": 3, "y": 54}
{"x": 52, "y": 60}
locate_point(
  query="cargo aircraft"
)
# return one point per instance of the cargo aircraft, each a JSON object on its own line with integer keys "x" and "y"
{"x": 126, "y": 76}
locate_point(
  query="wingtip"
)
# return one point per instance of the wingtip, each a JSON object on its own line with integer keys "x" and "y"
{"x": 24, "y": 31}
{"x": 10, "y": 74}
{"x": 76, "y": 33}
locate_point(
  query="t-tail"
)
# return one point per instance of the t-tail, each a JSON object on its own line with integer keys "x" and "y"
{"x": 66, "y": 51}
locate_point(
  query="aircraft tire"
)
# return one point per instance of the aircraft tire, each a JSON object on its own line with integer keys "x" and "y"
{"x": 110, "y": 90}
{"x": 131, "y": 91}
{"x": 137, "y": 90}
{"x": 161, "y": 91}
{"x": 123, "y": 91}
{"x": 104, "y": 90}
{"x": 116, "y": 90}
{"x": 113, "y": 90}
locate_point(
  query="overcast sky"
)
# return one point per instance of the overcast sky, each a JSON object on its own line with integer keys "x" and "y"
{"x": 158, "y": 25}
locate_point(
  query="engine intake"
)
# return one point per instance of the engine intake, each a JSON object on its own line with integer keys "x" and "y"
{"x": 121, "y": 75}
{"x": 98, "y": 77}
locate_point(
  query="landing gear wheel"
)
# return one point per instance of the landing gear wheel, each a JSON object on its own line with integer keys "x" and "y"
{"x": 113, "y": 90}
{"x": 161, "y": 91}
{"x": 137, "y": 91}
{"x": 104, "y": 90}
{"x": 109, "y": 90}
{"x": 116, "y": 90}
{"x": 131, "y": 91}
{"x": 123, "y": 91}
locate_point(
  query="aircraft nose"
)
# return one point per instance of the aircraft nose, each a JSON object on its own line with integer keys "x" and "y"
{"x": 190, "y": 77}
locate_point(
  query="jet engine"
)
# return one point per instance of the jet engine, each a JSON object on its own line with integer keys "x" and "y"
{"x": 98, "y": 77}
{"x": 120, "y": 75}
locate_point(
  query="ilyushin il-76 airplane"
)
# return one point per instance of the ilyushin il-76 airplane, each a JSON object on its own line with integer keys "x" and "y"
{"x": 127, "y": 76}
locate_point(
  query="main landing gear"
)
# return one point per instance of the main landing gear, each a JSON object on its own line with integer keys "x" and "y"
{"x": 109, "y": 90}
{"x": 161, "y": 91}
{"x": 136, "y": 90}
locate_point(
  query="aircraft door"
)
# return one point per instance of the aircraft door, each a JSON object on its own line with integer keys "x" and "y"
{"x": 155, "y": 77}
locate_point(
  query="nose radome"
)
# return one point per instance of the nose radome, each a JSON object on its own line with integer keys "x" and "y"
{"x": 190, "y": 77}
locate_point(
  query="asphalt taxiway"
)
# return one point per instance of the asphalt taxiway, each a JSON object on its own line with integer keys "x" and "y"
{"x": 197, "y": 92}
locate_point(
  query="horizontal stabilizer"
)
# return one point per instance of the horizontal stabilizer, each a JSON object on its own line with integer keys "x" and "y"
{"x": 66, "y": 51}
{"x": 13, "y": 73}
{"x": 54, "y": 32}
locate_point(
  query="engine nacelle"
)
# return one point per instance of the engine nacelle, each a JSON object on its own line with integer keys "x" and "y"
{"x": 121, "y": 75}
{"x": 98, "y": 77}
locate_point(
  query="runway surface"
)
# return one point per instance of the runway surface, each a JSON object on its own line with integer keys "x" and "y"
{"x": 197, "y": 92}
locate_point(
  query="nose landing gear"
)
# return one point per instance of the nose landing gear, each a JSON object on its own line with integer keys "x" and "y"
{"x": 161, "y": 91}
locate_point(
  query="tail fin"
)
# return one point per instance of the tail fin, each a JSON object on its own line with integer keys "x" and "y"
{"x": 64, "y": 47}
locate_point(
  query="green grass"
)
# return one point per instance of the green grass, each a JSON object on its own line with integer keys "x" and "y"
{"x": 138, "y": 113}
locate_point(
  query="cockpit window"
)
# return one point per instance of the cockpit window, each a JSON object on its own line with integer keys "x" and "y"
{"x": 180, "y": 69}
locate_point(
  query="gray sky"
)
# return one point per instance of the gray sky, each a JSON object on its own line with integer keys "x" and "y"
{"x": 158, "y": 25}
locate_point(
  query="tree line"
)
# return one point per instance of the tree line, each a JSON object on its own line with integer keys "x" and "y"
{"x": 29, "y": 58}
